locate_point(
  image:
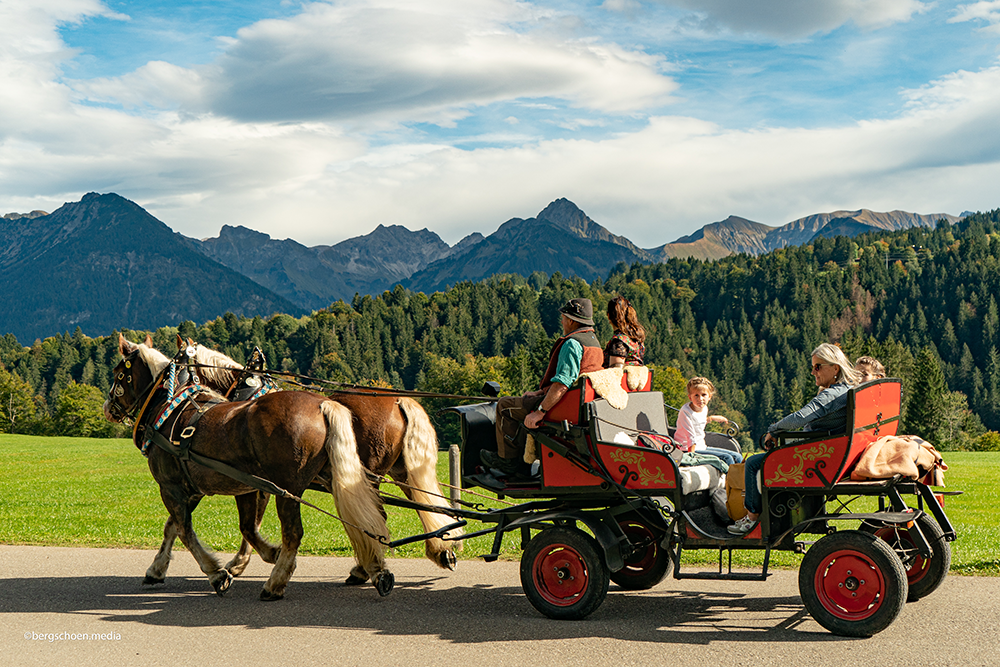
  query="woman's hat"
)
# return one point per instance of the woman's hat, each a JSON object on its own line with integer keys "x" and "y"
{"x": 579, "y": 310}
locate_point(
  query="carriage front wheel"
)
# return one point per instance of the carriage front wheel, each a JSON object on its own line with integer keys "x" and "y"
{"x": 852, "y": 583}
{"x": 563, "y": 573}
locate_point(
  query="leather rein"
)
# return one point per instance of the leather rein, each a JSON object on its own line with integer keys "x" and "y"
{"x": 182, "y": 448}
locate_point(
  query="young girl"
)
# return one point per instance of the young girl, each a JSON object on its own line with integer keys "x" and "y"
{"x": 693, "y": 418}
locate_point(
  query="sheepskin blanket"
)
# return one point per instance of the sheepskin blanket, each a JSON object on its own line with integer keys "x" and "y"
{"x": 607, "y": 383}
{"x": 905, "y": 455}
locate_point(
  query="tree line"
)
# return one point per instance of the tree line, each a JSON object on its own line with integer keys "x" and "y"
{"x": 922, "y": 301}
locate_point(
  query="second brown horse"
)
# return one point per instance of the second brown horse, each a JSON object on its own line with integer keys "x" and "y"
{"x": 394, "y": 437}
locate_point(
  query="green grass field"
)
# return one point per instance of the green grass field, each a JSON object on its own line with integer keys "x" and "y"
{"x": 99, "y": 493}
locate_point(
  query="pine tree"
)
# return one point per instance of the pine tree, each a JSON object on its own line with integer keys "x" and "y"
{"x": 925, "y": 408}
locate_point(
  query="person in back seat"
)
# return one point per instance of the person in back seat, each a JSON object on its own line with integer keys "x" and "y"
{"x": 578, "y": 351}
{"x": 834, "y": 375}
{"x": 627, "y": 344}
{"x": 869, "y": 368}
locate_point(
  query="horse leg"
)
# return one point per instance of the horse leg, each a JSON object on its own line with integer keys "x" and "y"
{"x": 437, "y": 550}
{"x": 180, "y": 512}
{"x": 290, "y": 516}
{"x": 356, "y": 501}
{"x": 420, "y": 456}
{"x": 251, "y": 508}
{"x": 157, "y": 571}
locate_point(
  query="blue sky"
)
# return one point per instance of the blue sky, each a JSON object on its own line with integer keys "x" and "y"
{"x": 318, "y": 121}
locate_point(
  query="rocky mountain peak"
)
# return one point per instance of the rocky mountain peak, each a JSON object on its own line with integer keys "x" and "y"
{"x": 239, "y": 233}
{"x": 564, "y": 213}
{"x": 29, "y": 216}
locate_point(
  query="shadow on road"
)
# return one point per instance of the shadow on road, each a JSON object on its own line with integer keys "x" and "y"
{"x": 418, "y": 606}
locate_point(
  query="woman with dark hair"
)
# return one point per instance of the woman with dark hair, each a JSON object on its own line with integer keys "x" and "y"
{"x": 626, "y": 347}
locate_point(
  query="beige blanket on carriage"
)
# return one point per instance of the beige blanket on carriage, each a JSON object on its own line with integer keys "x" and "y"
{"x": 906, "y": 455}
{"x": 607, "y": 383}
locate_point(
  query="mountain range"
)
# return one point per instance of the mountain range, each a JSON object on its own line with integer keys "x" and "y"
{"x": 104, "y": 263}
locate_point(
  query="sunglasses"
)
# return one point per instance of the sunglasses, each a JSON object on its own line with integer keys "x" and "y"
{"x": 816, "y": 367}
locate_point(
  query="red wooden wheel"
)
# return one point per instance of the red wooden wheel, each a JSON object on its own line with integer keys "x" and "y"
{"x": 849, "y": 585}
{"x": 852, "y": 583}
{"x": 923, "y": 575}
{"x": 563, "y": 573}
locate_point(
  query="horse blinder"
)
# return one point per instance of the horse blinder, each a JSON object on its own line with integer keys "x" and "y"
{"x": 117, "y": 391}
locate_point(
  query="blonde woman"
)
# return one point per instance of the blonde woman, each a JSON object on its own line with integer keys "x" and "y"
{"x": 834, "y": 375}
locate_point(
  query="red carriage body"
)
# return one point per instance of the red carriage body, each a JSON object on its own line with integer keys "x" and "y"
{"x": 643, "y": 510}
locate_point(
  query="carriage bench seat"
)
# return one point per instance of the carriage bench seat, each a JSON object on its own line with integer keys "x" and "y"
{"x": 613, "y": 442}
{"x": 806, "y": 460}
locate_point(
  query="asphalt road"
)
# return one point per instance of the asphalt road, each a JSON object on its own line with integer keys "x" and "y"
{"x": 476, "y": 616}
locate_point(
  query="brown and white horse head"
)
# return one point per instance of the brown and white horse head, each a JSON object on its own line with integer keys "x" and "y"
{"x": 133, "y": 377}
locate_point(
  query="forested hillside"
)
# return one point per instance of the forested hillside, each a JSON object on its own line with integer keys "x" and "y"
{"x": 923, "y": 301}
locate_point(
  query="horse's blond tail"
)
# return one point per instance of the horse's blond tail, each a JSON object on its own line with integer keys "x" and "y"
{"x": 420, "y": 454}
{"x": 357, "y": 502}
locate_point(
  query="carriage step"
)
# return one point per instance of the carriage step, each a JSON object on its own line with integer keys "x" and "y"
{"x": 731, "y": 576}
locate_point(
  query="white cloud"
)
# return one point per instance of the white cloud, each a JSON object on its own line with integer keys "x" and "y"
{"x": 396, "y": 62}
{"x": 987, "y": 11}
{"x": 797, "y": 19}
{"x": 678, "y": 173}
{"x": 190, "y": 155}
{"x": 625, "y": 6}
{"x": 156, "y": 84}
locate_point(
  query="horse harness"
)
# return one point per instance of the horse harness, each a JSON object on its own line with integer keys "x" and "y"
{"x": 181, "y": 449}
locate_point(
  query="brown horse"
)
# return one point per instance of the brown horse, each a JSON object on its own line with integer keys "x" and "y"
{"x": 288, "y": 437}
{"x": 394, "y": 436}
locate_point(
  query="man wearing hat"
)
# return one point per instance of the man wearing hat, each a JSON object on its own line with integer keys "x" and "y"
{"x": 578, "y": 351}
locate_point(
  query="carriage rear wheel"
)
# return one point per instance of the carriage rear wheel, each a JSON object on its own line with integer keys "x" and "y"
{"x": 563, "y": 573}
{"x": 852, "y": 583}
{"x": 923, "y": 575}
{"x": 649, "y": 561}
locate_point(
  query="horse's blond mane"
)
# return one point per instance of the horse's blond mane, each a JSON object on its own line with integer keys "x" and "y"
{"x": 155, "y": 360}
{"x": 216, "y": 369}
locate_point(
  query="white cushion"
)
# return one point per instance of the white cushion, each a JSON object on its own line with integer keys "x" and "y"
{"x": 699, "y": 478}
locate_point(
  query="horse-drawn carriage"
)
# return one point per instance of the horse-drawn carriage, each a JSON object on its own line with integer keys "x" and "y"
{"x": 612, "y": 499}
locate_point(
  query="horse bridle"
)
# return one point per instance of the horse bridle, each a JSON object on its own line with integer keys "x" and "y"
{"x": 117, "y": 390}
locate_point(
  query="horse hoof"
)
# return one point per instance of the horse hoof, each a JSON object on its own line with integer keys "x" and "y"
{"x": 152, "y": 581}
{"x": 222, "y": 584}
{"x": 357, "y": 577}
{"x": 268, "y": 596}
{"x": 384, "y": 582}
{"x": 448, "y": 560}
{"x": 236, "y": 568}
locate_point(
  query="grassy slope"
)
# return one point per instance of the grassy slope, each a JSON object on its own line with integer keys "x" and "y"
{"x": 91, "y": 492}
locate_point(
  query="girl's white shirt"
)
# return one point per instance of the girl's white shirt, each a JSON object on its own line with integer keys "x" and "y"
{"x": 690, "y": 434}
